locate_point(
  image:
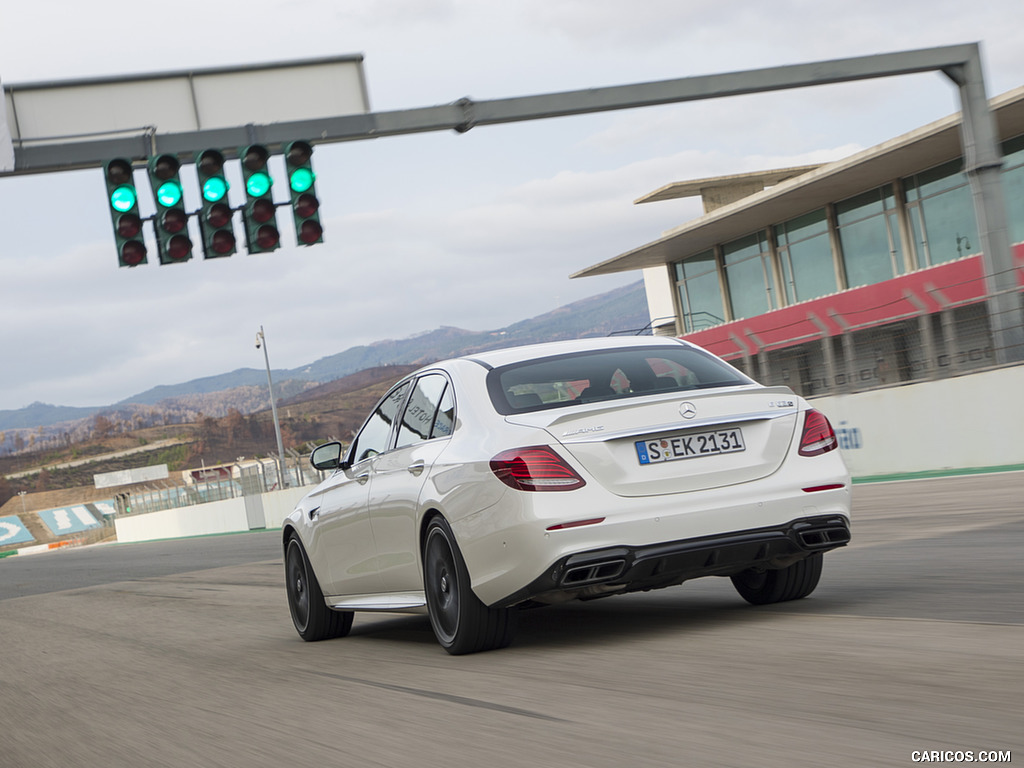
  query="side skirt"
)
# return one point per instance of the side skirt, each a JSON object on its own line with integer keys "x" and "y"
{"x": 396, "y": 602}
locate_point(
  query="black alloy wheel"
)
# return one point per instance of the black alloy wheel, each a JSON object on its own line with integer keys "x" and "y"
{"x": 312, "y": 618}
{"x": 461, "y": 623}
{"x": 791, "y": 583}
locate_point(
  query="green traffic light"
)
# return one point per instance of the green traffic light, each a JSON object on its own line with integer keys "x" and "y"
{"x": 169, "y": 194}
{"x": 122, "y": 199}
{"x": 214, "y": 189}
{"x": 258, "y": 184}
{"x": 302, "y": 179}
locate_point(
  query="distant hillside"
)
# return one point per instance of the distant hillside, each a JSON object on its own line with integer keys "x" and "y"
{"x": 243, "y": 377}
{"x": 244, "y": 389}
{"x": 41, "y": 414}
{"x": 622, "y": 309}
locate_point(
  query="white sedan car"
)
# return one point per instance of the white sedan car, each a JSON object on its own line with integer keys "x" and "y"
{"x": 528, "y": 476}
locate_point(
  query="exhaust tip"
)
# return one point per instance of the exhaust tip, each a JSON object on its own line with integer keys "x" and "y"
{"x": 592, "y": 573}
{"x": 832, "y": 533}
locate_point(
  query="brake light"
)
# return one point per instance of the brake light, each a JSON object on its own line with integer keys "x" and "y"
{"x": 537, "y": 468}
{"x": 818, "y": 436}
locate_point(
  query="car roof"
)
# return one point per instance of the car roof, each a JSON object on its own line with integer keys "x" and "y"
{"x": 505, "y": 356}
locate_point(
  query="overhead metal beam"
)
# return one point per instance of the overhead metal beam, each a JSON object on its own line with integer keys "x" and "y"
{"x": 961, "y": 63}
{"x": 464, "y": 114}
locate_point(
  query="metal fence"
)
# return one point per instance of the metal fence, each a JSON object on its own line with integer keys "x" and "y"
{"x": 248, "y": 479}
{"x": 909, "y": 348}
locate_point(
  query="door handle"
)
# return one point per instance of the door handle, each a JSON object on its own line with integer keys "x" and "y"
{"x": 416, "y": 468}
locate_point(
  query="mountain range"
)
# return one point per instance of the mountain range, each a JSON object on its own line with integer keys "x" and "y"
{"x": 621, "y": 310}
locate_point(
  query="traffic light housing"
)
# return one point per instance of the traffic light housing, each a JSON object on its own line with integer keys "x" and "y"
{"x": 123, "y": 202}
{"x": 259, "y": 214}
{"x": 302, "y": 188}
{"x": 215, "y": 215}
{"x": 171, "y": 221}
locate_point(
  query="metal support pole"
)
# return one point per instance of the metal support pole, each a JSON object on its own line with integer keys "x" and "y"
{"x": 849, "y": 355}
{"x": 764, "y": 371}
{"x": 261, "y": 341}
{"x": 745, "y": 351}
{"x": 949, "y": 342}
{"x": 983, "y": 166}
{"x": 826, "y": 349}
{"x": 924, "y": 320}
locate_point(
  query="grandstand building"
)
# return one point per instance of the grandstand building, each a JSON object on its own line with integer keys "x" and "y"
{"x": 850, "y": 276}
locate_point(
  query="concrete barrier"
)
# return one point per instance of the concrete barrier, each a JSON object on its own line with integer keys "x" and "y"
{"x": 227, "y": 516}
{"x": 955, "y": 424}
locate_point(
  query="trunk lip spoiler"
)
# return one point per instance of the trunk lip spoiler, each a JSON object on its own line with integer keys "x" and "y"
{"x": 600, "y": 436}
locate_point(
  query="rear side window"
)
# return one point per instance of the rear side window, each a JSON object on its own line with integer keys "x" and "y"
{"x": 429, "y": 413}
{"x": 554, "y": 382}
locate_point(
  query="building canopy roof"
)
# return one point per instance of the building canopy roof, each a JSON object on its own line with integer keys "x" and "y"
{"x": 926, "y": 147}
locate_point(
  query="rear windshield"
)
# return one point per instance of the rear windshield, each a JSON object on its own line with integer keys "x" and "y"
{"x": 552, "y": 382}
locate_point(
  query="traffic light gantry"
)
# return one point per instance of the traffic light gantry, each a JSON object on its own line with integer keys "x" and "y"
{"x": 215, "y": 216}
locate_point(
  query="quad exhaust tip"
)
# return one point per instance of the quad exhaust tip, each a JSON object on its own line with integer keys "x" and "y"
{"x": 829, "y": 534}
{"x": 593, "y": 572}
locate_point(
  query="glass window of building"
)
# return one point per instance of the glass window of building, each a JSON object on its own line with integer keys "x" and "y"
{"x": 700, "y": 297}
{"x": 870, "y": 237}
{"x": 941, "y": 214}
{"x": 1013, "y": 187}
{"x": 806, "y": 256}
{"x": 748, "y": 273}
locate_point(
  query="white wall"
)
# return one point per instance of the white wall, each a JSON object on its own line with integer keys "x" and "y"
{"x": 659, "y": 288}
{"x": 279, "y": 504}
{"x": 226, "y": 516}
{"x": 958, "y": 423}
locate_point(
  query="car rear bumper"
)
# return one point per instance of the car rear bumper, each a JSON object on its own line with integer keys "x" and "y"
{"x": 620, "y": 569}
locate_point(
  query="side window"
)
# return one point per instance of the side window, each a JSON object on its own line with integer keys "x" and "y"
{"x": 444, "y": 423}
{"x": 419, "y": 418}
{"x": 374, "y": 437}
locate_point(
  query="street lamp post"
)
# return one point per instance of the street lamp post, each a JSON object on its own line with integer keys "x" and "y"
{"x": 261, "y": 341}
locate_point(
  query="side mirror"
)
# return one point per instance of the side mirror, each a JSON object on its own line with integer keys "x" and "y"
{"x": 326, "y": 457}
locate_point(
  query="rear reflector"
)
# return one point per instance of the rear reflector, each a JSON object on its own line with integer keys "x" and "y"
{"x": 537, "y": 468}
{"x": 575, "y": 524}
{"x": 818, "y": 436}
{"x": 816, "y": 488}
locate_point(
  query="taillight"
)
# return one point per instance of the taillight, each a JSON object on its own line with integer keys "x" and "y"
{"x": 537, "y": 468}
{"x": 818, "y": 436}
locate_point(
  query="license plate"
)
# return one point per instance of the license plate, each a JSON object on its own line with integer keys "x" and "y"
{"x": 690, "y": 446}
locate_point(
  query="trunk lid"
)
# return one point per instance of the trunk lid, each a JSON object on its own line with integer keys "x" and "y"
{"x": 690, "y": 441}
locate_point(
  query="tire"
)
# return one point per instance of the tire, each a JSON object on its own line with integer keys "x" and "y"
{"x": 791, "y": 583}
{"x": 461, "y": 623}
{"x": 312, "y": 618}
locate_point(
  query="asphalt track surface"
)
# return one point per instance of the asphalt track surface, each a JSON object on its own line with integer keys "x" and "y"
{"x": 182, "y": 653}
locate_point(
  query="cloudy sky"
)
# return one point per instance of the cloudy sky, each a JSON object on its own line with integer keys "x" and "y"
{"x": 473, "y": 230}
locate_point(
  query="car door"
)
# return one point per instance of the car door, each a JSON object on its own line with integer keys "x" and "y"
{"x": 398, "y": 476}
{"x": 345, "y": 535}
